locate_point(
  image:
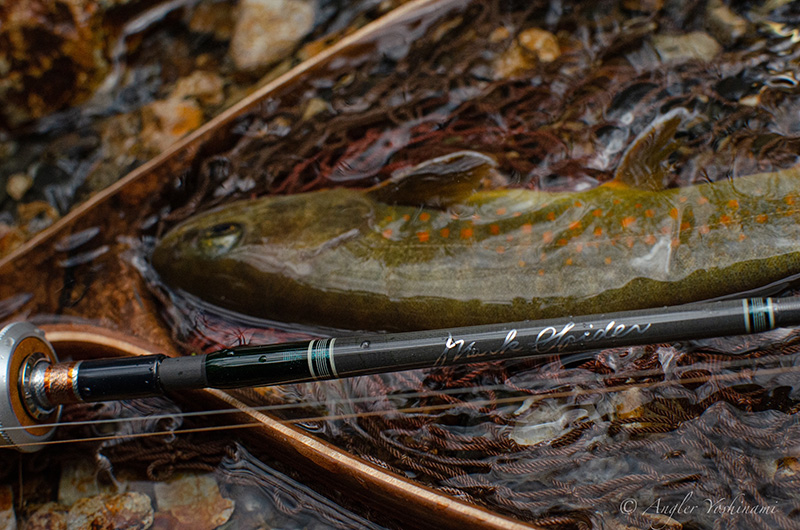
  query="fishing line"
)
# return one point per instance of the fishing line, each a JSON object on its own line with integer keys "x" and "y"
{"x": 34, "y": 385}
{"x": 332, "y": 403}
{"x": 406, "y": 410}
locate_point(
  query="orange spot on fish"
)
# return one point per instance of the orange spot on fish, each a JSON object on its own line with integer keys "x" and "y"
{"x": 541, "y": 272}
{"x": 702, "y": 200}
{"x": 608, "y": 261}
{"x": 574, "y": 225}
{"x": 424, "y": 216}
{"x": 444, "y": 232}
{"x": 725, "y": 219}
{"x": 466, "y": 233}
{"x": 547, "y": 237}
{"x": 423, "y": 236}
{"x": 598, "y": 232}
{"x": 666, "y": 229}
{"x": 509, "y": 238}
{"x": 579, "y": 247}
{"x": 686, "y": 225}
{"x": 733, "y": 204}
{"x": 617, "y": 201}
{"x": 673, "y": 213}
{"x": 788, "y": 200}
{"x": 650, "y": 239}
{"x": 551, "y": 216}
{"x": 598, "y": 212}
{"x": 517, "y": 214}
{"x": 561, "y": 242}
{"x": 500, "y": 249}
{"x": 521, "y": 263}
{"x": 406, "y": 217}
{"x": 628, "y": 221}
{"x": 501, "y": 211}
{"x": 704, "y": 229}
{"x": 387, "y": 233}
{"x": 649, "y": 213}
{"x": 527, "y": 228}
{"x": 683, "y": 198}
{"x": 578, "y": 204}
{"x": 762, "y": 218}
{"x": 494, "y": 229}
{"x": 742, "y": 237}
{"x": 630, "y": 242}
{"x": 675, "y": 242}
{"x": 569, "y": 261}
{"x": 637, "y": 205}
{"x": 388, "y": 219}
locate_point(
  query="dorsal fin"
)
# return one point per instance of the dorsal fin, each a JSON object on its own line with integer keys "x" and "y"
{"x": 439, "y": 182}
{"x": 645, "y": 165}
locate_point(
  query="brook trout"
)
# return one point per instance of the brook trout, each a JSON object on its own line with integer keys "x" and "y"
{"x": 358, "y": 260}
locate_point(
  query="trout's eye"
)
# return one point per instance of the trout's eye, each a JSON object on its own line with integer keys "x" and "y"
{"x": 219, "y": 238}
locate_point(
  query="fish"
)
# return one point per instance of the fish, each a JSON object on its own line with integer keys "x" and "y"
{"x": 436, "y": 247}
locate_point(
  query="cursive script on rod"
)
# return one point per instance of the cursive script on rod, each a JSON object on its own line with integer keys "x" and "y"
{"x": 456, "y": 350}
{"x": 551, "y": 339}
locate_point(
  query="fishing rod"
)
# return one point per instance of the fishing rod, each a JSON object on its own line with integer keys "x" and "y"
{"x": 34, "y": 384}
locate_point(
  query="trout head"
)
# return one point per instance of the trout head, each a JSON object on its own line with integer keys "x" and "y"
{"x": 277, "y": 236}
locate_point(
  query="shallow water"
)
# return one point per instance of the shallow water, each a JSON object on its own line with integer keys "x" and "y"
{"x": 620, "y": 439}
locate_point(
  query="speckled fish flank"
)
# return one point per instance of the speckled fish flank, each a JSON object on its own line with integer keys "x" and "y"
{"x": 344, "y": 258}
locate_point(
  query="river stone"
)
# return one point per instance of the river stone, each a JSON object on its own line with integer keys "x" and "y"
{"x": 267, "y": 30}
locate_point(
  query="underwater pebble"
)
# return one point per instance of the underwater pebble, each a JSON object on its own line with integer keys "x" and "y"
{"x": 314, "y": 107}
{"x": 128, "y": 511}
{"x": 50, "y": 516}
{"x": 541, "y": 43}
{"x": 268, "y": 30}
{"x": 36, "y": 215}
{"x": 79, "y": 480}
{"x": 681, "y": 48}
{"x": 630, "y": 402}
{"x": 533, "y": 45}
{"x": 549, "y": 422}
{"x": 723, "y": 23}
{"x": 499, "y": 34}
{"x": 191, "y": 501}
{"x": 8, "y": 519}
{"x": 206, "y": 87}
{"x": 165, "y": 121}
{"x": 18, "y": 184}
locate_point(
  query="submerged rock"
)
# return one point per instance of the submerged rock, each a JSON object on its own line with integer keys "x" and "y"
{"x": 680, "y": 48}
{"x": 531, "y": 47}
{"x": 55, "y": 53}
{"x": 8, "y": 519}
{"x": 267, "y": 30}
{"x": 128, "y": 511}
{"x": 191, "y": 501}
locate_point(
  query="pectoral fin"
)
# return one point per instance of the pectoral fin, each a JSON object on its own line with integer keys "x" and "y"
{"x": 439, "y": 182}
